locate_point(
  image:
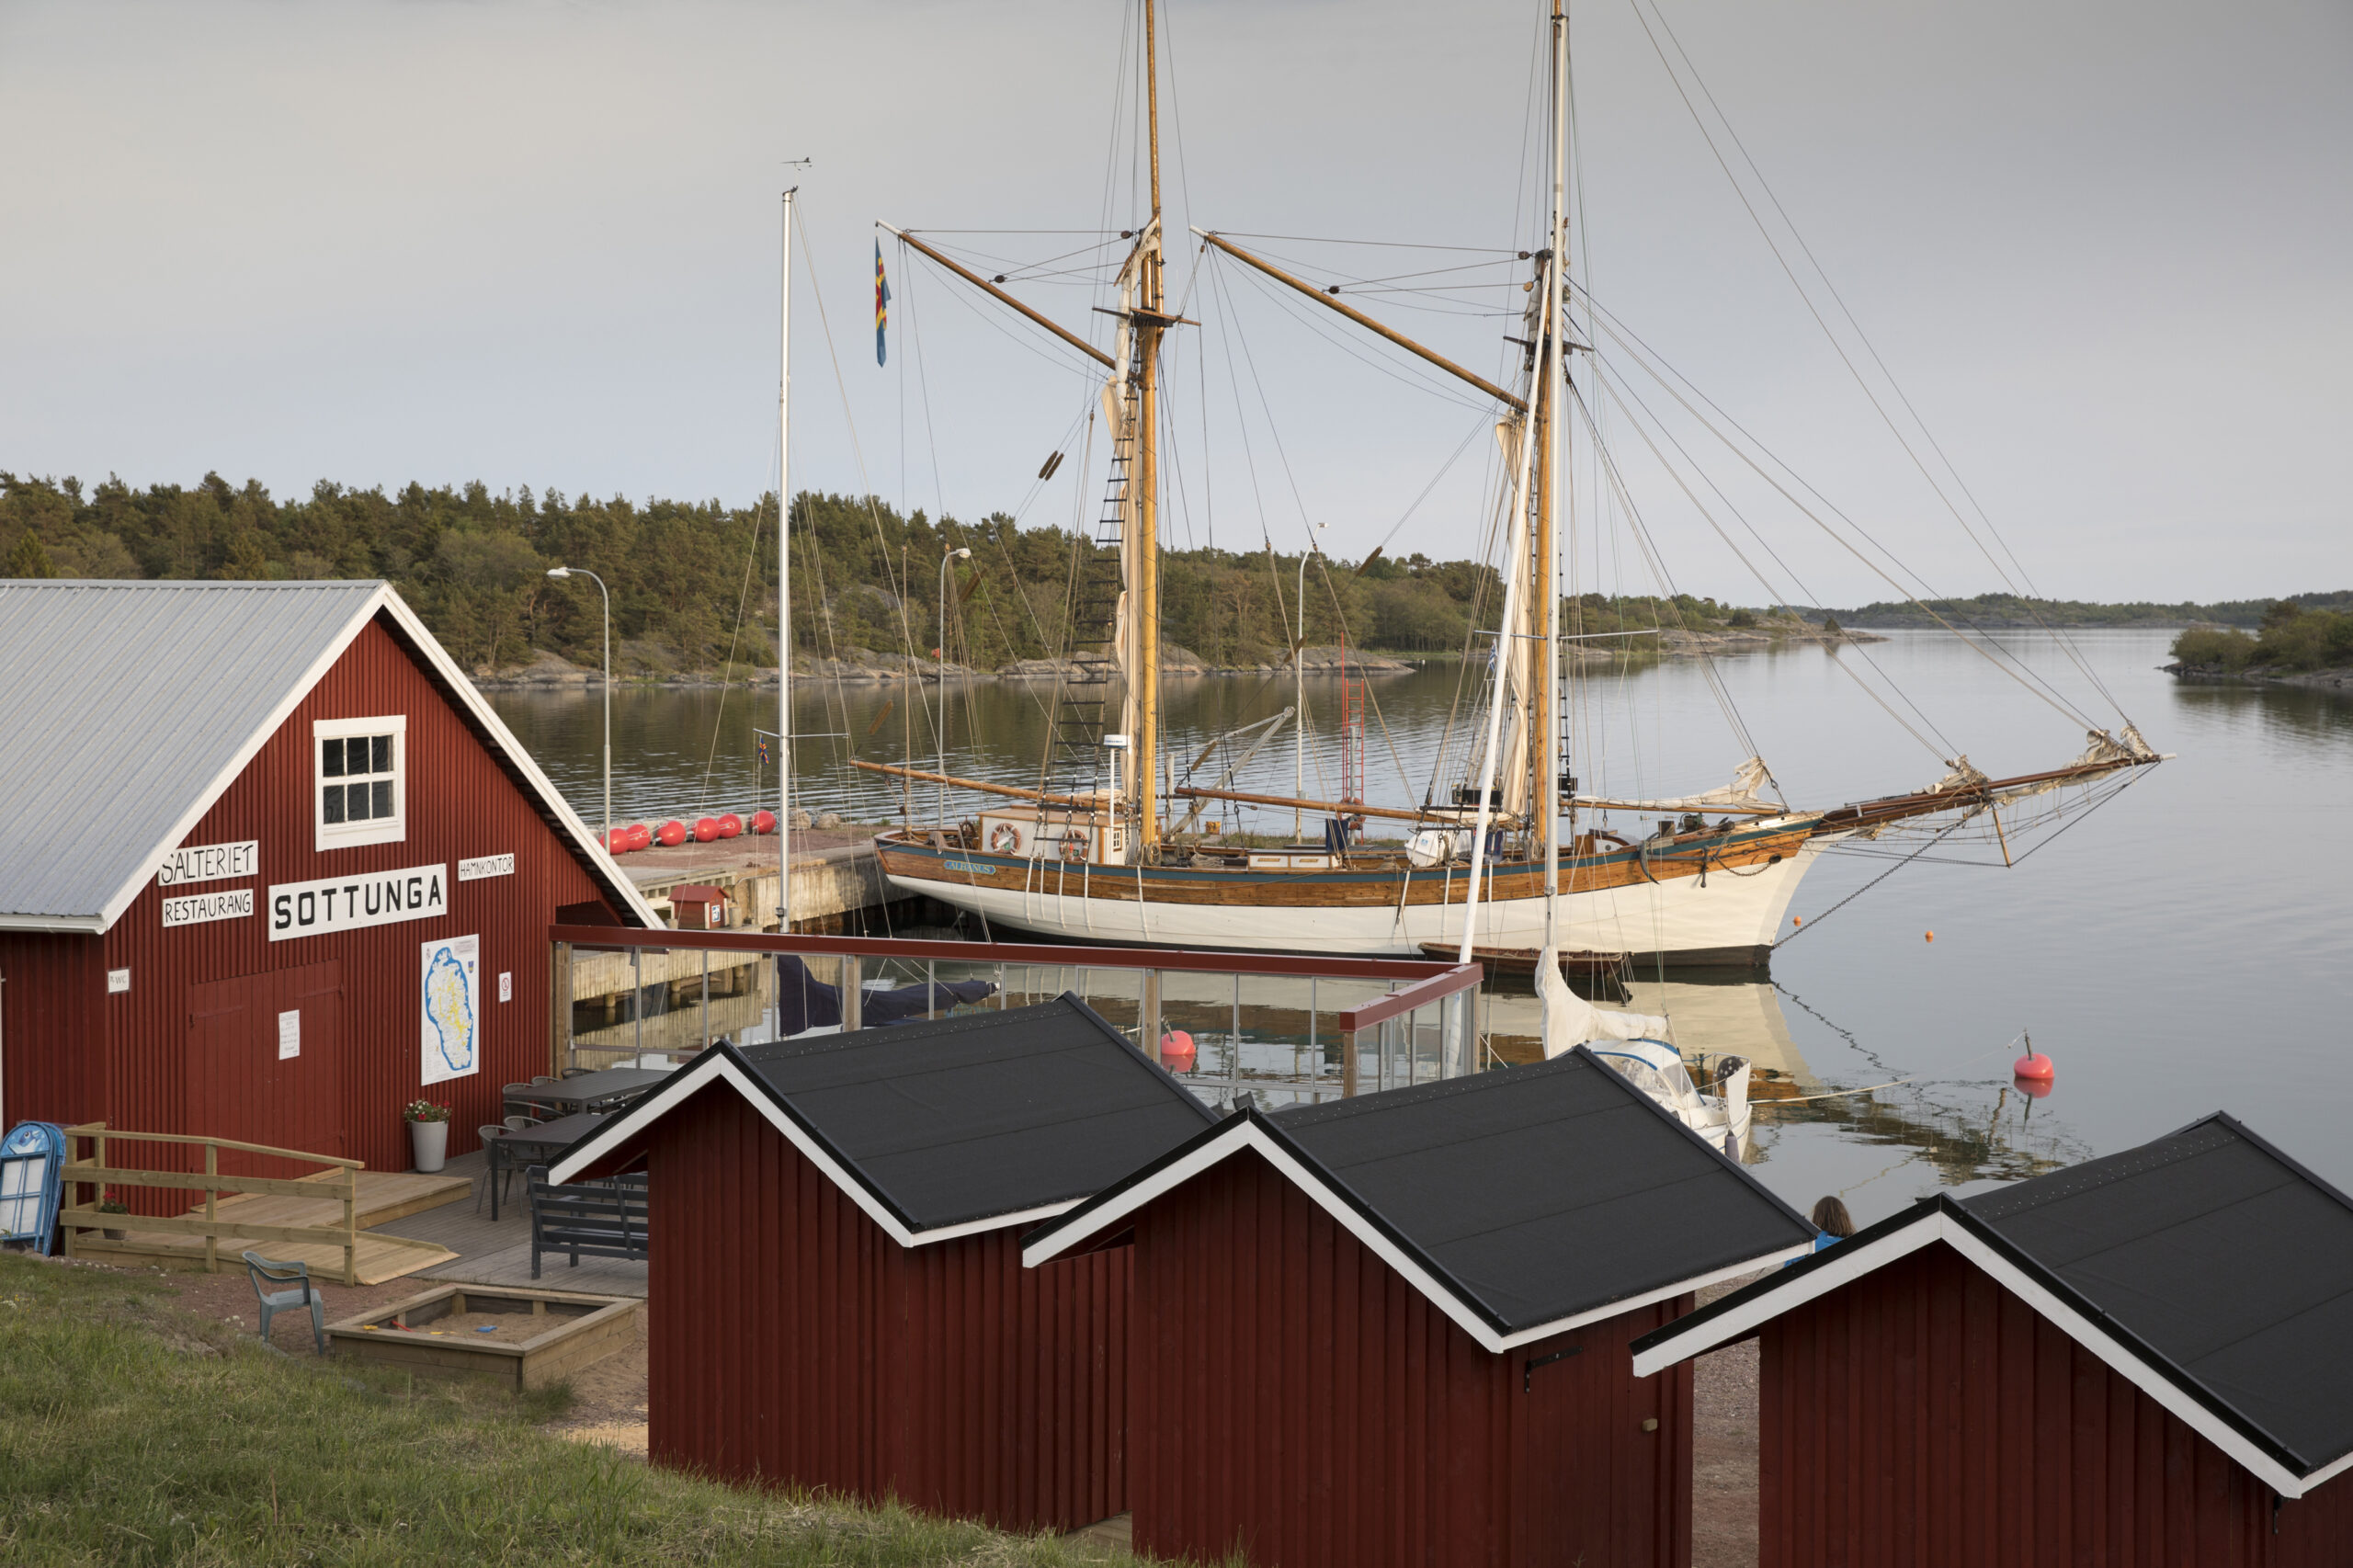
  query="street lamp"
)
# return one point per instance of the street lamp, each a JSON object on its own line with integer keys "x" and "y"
{"x": 1299, "y": 678}
{"x": 958, "y": 554}
{"x": 561, "y": 572}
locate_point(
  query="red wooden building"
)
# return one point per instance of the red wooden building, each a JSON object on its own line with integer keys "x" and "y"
{"x": 1393, "y": 1329}
{"x": 243, "y": 822}
{"x": 837, "y": 1296}
{"x": 2147, "y": 1359}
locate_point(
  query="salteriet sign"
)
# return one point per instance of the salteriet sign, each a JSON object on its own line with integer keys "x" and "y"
{"x": 347, "y": 903}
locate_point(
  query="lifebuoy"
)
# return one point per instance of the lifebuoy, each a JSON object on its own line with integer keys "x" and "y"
{"x": 1074, "y": 846}
{"x": 1005, "y": 838}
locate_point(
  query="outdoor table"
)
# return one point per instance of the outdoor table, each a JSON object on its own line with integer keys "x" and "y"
{"x": 518, "y": 1148}
{"x": 593, "y": 1090}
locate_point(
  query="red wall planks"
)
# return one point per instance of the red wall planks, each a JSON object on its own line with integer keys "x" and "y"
{"x": 795, "y": 1342}
{"x": 74, "y": 1053}
{"x": 1922, "y": 1417}
{"x": 1296, "y": 1400}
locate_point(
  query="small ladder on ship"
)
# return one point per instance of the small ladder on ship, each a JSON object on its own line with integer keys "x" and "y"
{"x": 1079, "y": 711}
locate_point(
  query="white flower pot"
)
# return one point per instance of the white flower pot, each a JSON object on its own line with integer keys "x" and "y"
{"x": 429, "y": 1141}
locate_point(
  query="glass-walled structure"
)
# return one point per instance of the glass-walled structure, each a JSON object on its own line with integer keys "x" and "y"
{"x": 1287, "y": 1030}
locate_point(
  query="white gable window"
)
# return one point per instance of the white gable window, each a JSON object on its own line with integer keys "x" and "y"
{"x": 359, "y": 793}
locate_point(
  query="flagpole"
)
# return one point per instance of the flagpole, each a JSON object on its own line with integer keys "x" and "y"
{"x": 784, "y": 596}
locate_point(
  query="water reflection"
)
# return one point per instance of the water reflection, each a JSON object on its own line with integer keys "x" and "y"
{"x": 2203, "y": 908}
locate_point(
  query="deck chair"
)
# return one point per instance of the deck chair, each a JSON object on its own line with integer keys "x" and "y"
{"x": 490, "y": 1133}
{"x": 260, "y": 1271}
{"x": 522, "y": 1123}
{"x": 517, "y": 1097}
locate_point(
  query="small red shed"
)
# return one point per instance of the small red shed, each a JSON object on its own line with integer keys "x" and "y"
{"x": 2145, "y": 1359}
{"x": 270, "y": 869}
{"x": 1393, "y": 1329}
{"x": 837, "y": 1296}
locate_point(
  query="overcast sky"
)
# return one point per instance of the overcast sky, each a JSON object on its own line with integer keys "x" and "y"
{"x": 2103, "y": 247}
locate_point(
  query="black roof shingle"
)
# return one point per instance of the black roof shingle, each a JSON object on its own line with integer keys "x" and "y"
{"x": 980, "y": 1114}
{"x": 2221, "y": 1256}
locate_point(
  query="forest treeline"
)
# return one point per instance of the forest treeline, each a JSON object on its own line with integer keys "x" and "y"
{"x": 2290, "y": 636}
{"x": 693, "y": 583}
{"x": 2011, "y": 610}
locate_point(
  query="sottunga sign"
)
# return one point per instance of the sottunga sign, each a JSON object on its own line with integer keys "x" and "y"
{"x": 347, "y": 903}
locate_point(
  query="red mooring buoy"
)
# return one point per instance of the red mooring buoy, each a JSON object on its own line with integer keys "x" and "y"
{"x": 730, "y": 826}
{"x": 706, "y": 829}
{"x": 640, "y": 836}
{"x": 1176, "y": 1052}
{"x": 673, "y": 832}
{"x": 617, "y": 841}
{"x": 2034, "y": 1067}
{"x": 763, "y": 823}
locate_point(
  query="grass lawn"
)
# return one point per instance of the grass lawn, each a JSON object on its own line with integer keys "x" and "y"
{"x": 133, "y": 1433}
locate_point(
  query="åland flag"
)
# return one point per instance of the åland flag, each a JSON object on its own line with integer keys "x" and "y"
{"x": 762, "y": 743}
{"x": 881, "y": 307}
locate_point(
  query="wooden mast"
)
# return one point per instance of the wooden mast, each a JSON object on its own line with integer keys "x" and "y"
{"x": 1552, "y": 361}
{"x": 1144, "y": 587}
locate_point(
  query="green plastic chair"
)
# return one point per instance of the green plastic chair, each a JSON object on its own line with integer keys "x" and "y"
{"x": 260, "y": 1270}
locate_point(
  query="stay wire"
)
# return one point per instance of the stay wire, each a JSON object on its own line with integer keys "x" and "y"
{"x": 1896, "y": 386}
{"x": 1837, "y": 346}
{"x": 1643, "y": 354}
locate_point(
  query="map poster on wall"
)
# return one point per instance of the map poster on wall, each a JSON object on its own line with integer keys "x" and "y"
{"x": 451, "y": 991}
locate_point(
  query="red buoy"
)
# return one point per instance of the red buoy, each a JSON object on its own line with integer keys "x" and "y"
{"x": 2035, "y": 1067}
{"x": 1177, "y": 1052}
{"x": 673, "y": 832}
{"x": 730, "y": 826}
{"x": 764, "y": 823}
{"x": 617, "y": 841}
{"x": 640, "y": 836}
{"x": 706, "y": 829}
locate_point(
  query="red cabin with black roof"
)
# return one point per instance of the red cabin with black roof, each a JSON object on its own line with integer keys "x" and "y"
{"x": 2146, "y": 1359}
{"x": 1393, "y": 1329}
{"x": 838, "y": 1300}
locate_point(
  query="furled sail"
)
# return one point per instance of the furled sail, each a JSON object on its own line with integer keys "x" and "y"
{"x": 1569, "y": 1021}
{"x": 1741, "y": 796}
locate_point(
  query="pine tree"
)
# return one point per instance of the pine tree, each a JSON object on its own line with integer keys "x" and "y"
{"x": 28, "y": 559}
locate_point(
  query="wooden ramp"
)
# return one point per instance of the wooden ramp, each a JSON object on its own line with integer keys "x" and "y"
{"x": 261, "y": 1218}
{"x": 376, "y": 1258}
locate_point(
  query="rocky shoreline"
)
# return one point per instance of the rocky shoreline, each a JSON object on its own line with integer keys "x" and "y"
{"x": 2324, "y": 680}
{"x": 552, "y": 672}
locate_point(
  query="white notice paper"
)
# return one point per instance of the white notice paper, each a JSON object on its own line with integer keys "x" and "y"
{"x": 290, "y": 1035}
{"x": 505, "y": 986}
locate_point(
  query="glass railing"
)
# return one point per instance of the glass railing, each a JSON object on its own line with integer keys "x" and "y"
{"x": 1287, "y": 1029}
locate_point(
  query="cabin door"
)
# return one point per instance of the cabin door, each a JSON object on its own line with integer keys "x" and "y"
{"x": 264, "y": 1065}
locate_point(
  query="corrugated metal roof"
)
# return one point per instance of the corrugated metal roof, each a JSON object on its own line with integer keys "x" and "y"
{"x": 134, "y": 705}
{"x": 126, "y": 705}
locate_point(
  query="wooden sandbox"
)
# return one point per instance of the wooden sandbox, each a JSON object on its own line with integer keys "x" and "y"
{"x": 554, "y": 1333}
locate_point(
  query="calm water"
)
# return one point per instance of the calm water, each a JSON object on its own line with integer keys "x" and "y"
{"x": 2185, "y": 947}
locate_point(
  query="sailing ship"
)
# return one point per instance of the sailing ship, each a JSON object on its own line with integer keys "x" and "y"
{"x": 1520, "y": 861}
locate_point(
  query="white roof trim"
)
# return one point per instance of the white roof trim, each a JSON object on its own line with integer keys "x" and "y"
{"x": 247, "y": 748}
{"x": 586, "y": 840}
{"x": 1939, "y": 1226}
{"x": 716, "y": 1065}
{"x": 1848, "y": 1262}
{"x": 1248, "y": 1134}
{"x": 501, "y": 739}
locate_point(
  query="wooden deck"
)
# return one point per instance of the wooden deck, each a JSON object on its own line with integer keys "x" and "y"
{"x": 384, "y": 1197}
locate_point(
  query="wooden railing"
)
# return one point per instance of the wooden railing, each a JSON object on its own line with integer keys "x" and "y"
{"x": 341, "y": 1179}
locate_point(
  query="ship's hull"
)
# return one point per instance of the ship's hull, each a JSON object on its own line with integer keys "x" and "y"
{"x": 1717, "y": 901}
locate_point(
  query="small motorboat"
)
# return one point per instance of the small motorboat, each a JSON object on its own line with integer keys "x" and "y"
{"x": 1656, "y": 1068}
